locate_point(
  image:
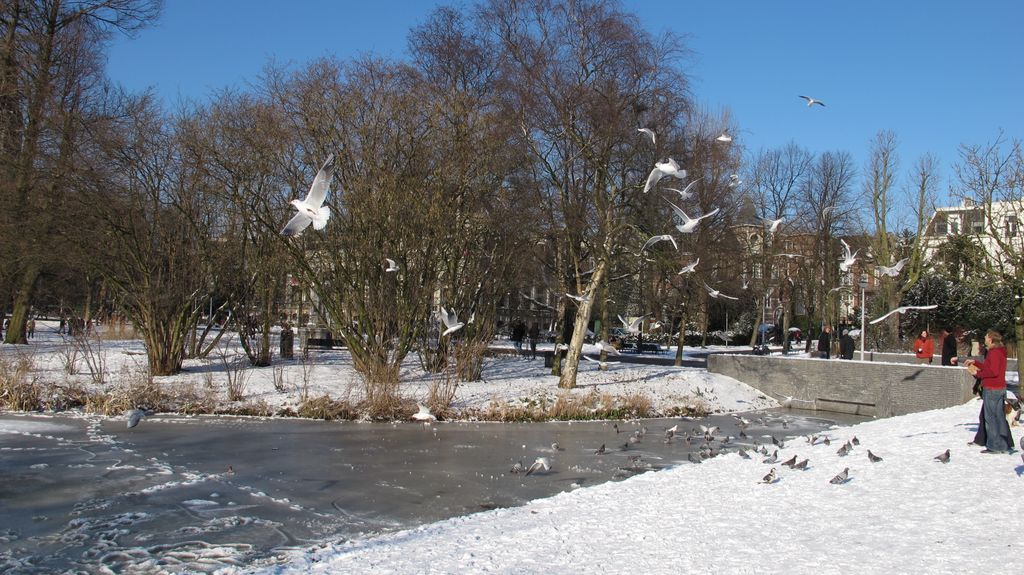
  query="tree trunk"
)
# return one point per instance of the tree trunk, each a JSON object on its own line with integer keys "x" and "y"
{"x": 22, "y": 305}
{"x": 567, "y": 380}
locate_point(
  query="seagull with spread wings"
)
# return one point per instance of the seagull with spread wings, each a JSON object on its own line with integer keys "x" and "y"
{"x": 661, "y": 238}
{"x": 689, "y": 224}
{"x": 717, "y": 294}
{"x": 451, "y": 322}
{"x": 632, "y": 327}
{"x": 661, "y": 170}
{"x": 811, "y": 101}
{"x": 772, "y": 225}
{"x": 685, "y": 194}
{"x": 903, "y": 309}
{"x": 725, "y": 138}
{"x": 848, "y": 258}
{"x": 312, "y": 209}
{"x": 391, "y": 265}
{"x": 578, "y": 298}
{"x": 893, "y": 270}
{"x": 689, "y": 267}
{"x": 650, "y": 133}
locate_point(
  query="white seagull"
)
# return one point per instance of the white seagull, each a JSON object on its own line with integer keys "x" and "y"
{"x": 632, "y": 327}
{"x": 903, "y": 309}
{"x": 685, "y": 194}
{"x": 649, "y": 132}
{"x": 578, "y": 298}
{"x": 600, "y": 364}
{"x": 541, "y": 464}
{"x": 772, "y": 225}
{"x": 607, "y": 347}
{"x": 423, "y": 414}
{"x": 724, "y": 137}
{"x": 689, "y": 267}
{"x": 451, "y": 322}
{"x": 717, "y": 294}
{"x": 893, "y": 270}
{"x": 689, "y": 224}
{"x": 312, "y": 209}
{"x": 848, "y": 258}
{"x": 734, "y": 181}
{"x": 661, "y": 238}
{"x": 392, "y": 266}
{"x": 811, "y": 101}
{"x": 662, "y": 169}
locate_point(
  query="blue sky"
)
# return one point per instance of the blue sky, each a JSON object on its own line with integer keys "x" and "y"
{"x": 937, "y": 73}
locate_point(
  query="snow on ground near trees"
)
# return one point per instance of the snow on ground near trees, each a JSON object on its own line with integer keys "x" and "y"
{"x": 906, "y": 514}
{"x": 506, "y": 379}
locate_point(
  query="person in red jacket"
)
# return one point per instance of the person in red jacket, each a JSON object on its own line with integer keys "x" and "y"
{"x": 924, "y": 348}
{"x": 992, "y": 372}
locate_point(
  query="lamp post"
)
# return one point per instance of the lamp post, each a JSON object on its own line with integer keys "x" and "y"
{"x": 863, "y": 313}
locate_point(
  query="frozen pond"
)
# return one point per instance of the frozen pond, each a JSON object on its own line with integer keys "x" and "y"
{"x": 180, "y": 494}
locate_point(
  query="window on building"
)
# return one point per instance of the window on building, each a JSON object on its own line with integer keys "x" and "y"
{"x": 940, "y": 228}
{"x": 954, "y": 228}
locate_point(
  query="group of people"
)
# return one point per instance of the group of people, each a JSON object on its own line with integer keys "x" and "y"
{"x": 846, "y": 344}
{"x": 519, "y": 333}
{"x": 924, "y": 347}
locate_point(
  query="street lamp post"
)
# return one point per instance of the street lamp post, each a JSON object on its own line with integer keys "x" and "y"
{"x": 863, "y": 313}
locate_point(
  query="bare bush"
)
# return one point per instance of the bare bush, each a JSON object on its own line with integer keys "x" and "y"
{"x": 19, "y": 391}
{"x": 324, "y": 407}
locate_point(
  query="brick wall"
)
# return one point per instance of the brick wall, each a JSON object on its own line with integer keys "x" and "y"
{"x": 862, "y": 388}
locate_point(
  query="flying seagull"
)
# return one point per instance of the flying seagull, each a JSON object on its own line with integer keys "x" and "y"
{"x": 812, "y": 101}
{"x": 772, "y": 225}
{"x": 734, "y": 181}
{"x": 689, "y": 267}
{"x": 392, "y": 266}
{"x": 451, "y": 322}
{"x": 423, "y": 414}
{"x": 685, "y": 194}
{"x": 662, "y": 169}
{"x": 904, "y": 309}
{"x": 312, "y": 209}
{"x": 632, "y": 327}
{"x": 600, "y": 364}
{"x": 649, "y": 132}
{"x": 578, "y": 298}
{"x": 661, "y": 238}
{"x": 848, "y": 258}
{"x": 689, "y": 224}
{"x": 893, "y": 270}
{"x": 607, "y": 348}
{"x": 717, "y": 294}
{"x": 135, "y": 416}
{"x": 541, "y": 464}
{"x": 724, "y": 137}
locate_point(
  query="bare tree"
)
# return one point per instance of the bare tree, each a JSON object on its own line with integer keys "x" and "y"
{"x": 581, "y": 77}
{"x": 50, "y": 50}
{"x": 991, "y": 176}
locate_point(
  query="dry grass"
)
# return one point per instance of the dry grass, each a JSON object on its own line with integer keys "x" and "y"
{"x": 381, "y": 398}
{"x": 324, "y": 407}
{"x": 18, "y": 390}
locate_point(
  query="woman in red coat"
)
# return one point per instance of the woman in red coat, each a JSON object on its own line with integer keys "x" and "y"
{"x": 924, "y": 348}
{"x": 992, "y": 373}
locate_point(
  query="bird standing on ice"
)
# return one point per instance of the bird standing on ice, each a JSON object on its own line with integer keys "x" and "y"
{"x": 312, "y": 210}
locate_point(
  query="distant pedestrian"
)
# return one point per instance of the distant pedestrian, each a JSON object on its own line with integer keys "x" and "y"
{"x": 62, "y": 325}
{"x": 30, "y": 326}
{"x": 924, "y": 348}
{"x": 825, "y": 342}
{"x": 846, "y": 345}
{"x": 287, "y": 341}
{"x": 518, "y": 334}
{"x": 992, "y": 372}
{"x": 948, "y": 347}
{"x": 534, "y": 335}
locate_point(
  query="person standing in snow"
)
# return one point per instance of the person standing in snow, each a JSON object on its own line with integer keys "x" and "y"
{"x": 948, "y": 347}
{"x": 992, "y": 372}
{"x": 518, "y": 334}
{"x": 846, "y": 345}
{"x": 825, "y": 342}
{"x": 533, "y": 335}
{"x": 924, "y": 348}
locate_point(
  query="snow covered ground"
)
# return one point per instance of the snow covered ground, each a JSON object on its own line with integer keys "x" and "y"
{"x": 506, "y": 379}
{"x": 905, "y": 514}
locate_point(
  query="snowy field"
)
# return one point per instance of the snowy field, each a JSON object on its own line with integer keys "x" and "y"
{"x": 506, "y": 379}
{"x": 905, "y": 514}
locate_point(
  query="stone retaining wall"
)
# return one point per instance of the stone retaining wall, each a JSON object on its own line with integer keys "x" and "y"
{"x": 862, "y": 388}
